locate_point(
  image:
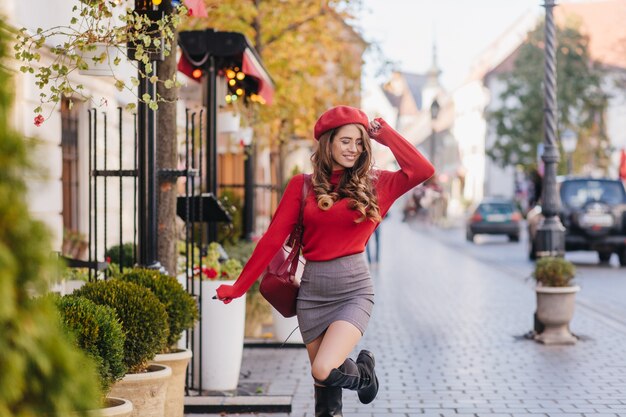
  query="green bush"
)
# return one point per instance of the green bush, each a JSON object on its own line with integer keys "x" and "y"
{"x": 98, "y": 333}
{"x": 180, "y": 305}
{"x": 127, "y": 256}
{"x": 554, "y": 272}
{"x": 41, "y": 372}
{"x": 143, "y": 318}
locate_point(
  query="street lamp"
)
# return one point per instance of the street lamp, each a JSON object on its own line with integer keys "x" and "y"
{"x": 434, "y": 113}
{"x": 569, "y": 139}
{"x": 550, "y": 237}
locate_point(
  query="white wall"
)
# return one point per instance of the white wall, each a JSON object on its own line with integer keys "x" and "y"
{"x": 470, "y": 130}
{"x": 45, "y": 187}
{"x": 616, "y": 118}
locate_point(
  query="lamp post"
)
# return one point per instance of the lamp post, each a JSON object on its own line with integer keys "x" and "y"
{"x": 550, "y": 237}
{"x": 569, "y": 141}
{"x": 434, "y": 113}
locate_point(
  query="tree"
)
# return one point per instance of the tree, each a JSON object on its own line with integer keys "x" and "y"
{"x": 296, "y": 39}
{"x": 518, "y": 122}
{"x": 42, "y": 372}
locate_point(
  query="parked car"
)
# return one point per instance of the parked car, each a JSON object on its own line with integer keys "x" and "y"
{"x": 593, "y": 211}
{"x": 494, "y": 216}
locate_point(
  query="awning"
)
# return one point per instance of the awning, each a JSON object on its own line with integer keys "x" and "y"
{"x": 196, "y": 8}
{"x": 229, "y": 48}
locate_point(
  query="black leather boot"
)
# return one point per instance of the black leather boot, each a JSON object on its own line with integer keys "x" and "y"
{"x": 328, "y": 401}
{"x": 358, "y": 376}
{"x": 366, "y": 362}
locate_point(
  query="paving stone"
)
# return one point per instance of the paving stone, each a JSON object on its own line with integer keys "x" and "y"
{"x": 446, "y": 331}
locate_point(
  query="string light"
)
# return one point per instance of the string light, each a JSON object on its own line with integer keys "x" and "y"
{"x": 228, "y": 98}
{"x": 156, "y": 2}
{"x": 241, "y": 76}
{"x": 230, "y": 73}
{"x": 239, "y": 91}
{"x": 196, "y": 73}
{"x": 232, "y": 82}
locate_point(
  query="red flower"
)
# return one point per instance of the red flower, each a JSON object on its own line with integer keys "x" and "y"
{"x": 190, "y": 12}
{"x": 39, "y": 120}
{"x": 210, "y": 273}
{"x": 108, "y": 259}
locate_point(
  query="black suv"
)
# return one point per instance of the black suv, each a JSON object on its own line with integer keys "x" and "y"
{"x": 594, "y": 215}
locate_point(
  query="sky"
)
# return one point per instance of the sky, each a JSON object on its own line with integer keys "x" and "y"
{"x": 461, "y": 29}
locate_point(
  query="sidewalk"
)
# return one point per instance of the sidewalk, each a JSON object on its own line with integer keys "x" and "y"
{"x": 447, "y": 334}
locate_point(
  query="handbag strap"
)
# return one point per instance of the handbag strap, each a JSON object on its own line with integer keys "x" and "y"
{"x": 295, "y": 239}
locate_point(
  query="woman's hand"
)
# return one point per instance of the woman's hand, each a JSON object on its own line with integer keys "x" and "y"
{"x": 377, "y": 126}
{"x": 226, "y": 293}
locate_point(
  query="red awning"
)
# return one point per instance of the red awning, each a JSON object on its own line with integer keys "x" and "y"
{"x": 196, "y": 8}
{"x": 622, "y": 165}
{"x": 251, "y": 67}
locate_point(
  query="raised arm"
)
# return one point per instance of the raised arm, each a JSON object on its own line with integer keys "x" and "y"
{"x": 414, "y": 167}
{"x": 282, "y": 224}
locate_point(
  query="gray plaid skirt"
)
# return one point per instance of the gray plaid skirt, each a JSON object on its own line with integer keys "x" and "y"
{"x": 339, "y": 289}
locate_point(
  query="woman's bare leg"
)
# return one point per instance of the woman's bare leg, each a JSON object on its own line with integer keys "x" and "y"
{"x": 331, "y": 349}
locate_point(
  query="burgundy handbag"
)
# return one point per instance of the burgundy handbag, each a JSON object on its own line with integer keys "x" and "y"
{"x": 279, "y": 285}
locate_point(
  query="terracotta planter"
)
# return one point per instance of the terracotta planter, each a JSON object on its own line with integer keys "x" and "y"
{"x": 146, "y": 390}
{"x": 555, "y": 309}
{"x": 218, "y": 358}
{"x": 175, "y": 397}
{"x": 115, "y": 407}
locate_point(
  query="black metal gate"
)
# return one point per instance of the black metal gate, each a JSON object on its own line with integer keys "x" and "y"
{"x": 113, "y": 206}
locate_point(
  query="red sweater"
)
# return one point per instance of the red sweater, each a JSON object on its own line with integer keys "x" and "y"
{"x": 333, "y": 233}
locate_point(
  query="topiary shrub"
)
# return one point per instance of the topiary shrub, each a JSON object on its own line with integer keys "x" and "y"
{"x": 98, "y": 333}
{"x": 127, "y": 258}
{"x": 142, "y": 315}
{"x": 554, "y": 272}
{"x": 181, "y": 307}
{"x": 41, "y": 372}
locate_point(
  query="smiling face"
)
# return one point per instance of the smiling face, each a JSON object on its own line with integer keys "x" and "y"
{"x": 346, "y": 147}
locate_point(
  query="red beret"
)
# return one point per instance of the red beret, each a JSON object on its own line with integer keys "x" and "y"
{"x": 339, "y": 116}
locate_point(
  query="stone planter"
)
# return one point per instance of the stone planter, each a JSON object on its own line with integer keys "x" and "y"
{"x": 283, "y": 328}
{"x": 145, "y": 390}
{"x": 555, "y": 309}
{"x": 115, "y": 407}
{"x": 228, "y": 122}
{"x": 219, "y": 351}
{"x": 175, "y": 397}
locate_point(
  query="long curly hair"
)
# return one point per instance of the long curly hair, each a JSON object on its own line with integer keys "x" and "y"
{"x": 356, "y": 183}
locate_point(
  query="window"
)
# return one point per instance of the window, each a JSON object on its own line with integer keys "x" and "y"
{"x": 69, "y": 176}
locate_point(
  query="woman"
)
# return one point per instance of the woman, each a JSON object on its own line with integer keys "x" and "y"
{"x": 346, "y": 203}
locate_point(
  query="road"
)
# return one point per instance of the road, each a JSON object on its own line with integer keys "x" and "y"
{"x": 603, "y": 287}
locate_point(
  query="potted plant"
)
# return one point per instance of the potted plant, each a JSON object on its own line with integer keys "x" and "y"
{"x": 144, "y": 320}
{"x": 123, "y": 256}
{"x": 220, "y": 362}
{"x": 97, "y": 331}
{"x": 182, "y": 314}
{"x": 556, "y": 298}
